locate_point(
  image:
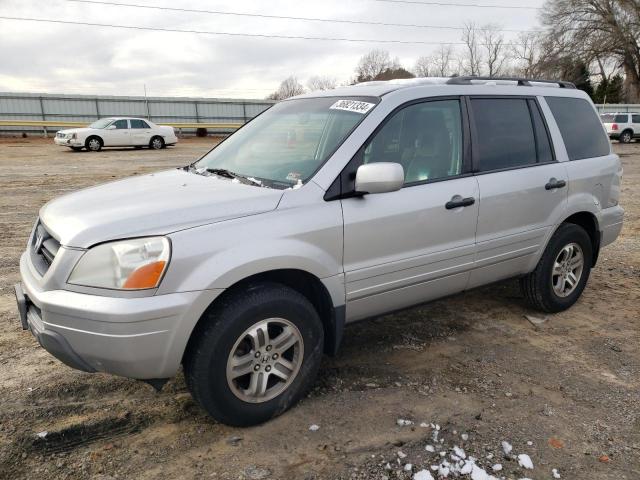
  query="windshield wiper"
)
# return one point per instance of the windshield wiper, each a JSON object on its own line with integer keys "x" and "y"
{"x": 223, "y": 172}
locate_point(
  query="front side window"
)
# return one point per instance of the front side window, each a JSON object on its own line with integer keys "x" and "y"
{"x": 425, "y": 138}
{"x": 137, "y": 123}
{"x": 580, "y": 127}
{"x": 505, "y": 135}
{"x": 120, "y": 124}
{"x": 636, "y": 118}
{"x": 289, "y": 142}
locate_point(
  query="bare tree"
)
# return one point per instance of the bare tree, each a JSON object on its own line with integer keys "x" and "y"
{"x": 423, "y": 67}
{"x": 496, "y": 52}
{"x": 470, "y": 59}
{"x": 290, "y": 87}
{"x": 591, "y": 29}
{"x": 321, "y": 83}
{"x": 526, "y": 51}
{"x": 373, "y": 64}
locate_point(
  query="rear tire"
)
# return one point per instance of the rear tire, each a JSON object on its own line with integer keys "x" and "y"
{"x": 626, "y": 136}
{"x": 236, "y": 373}
{"x": 156, "y": 143}
{"x": 562, "y": 272}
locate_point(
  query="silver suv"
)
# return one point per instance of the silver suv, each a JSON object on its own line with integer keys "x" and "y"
{"x": 331, "y": 207}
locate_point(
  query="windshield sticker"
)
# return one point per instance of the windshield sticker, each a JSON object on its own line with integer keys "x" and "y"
{"x": 293, "y": 176}
{"x": 352, "y": 106}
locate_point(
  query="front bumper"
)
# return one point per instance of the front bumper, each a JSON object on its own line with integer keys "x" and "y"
{"x": 68, "y": 142}
{"x": 142, "y": 337}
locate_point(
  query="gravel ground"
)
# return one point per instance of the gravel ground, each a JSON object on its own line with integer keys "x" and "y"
{"x": 470, "y": 368}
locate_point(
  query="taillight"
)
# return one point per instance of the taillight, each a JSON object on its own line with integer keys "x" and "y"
{"x": 614, "y": 126}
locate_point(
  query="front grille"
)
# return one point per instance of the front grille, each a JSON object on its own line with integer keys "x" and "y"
{"x": 44, "y": 248}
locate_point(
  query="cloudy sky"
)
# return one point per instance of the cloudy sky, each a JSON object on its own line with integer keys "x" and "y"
{"x": 68, "y": 58}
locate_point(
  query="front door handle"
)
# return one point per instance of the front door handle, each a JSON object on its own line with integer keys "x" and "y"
{"x": 457, "y": 201}
{"x": 553, "y": 183}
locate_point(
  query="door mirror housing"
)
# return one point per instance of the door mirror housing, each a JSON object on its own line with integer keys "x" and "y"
{"x": 379, "y": 177}
{"x": 111, "y": 127}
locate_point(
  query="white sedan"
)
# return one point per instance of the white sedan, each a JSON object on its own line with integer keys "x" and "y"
{"x": 117, "y": 132}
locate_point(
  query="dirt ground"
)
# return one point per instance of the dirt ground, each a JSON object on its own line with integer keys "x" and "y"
{"x": 566, "y": 392}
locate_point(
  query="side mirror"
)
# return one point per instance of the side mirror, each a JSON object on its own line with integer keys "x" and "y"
{"x": 379, "y": 177}
{"x": 111, "y": 127}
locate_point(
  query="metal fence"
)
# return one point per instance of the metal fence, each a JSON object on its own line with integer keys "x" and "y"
{"x": 17, "y": 110}
{"x": 618, "y": 107}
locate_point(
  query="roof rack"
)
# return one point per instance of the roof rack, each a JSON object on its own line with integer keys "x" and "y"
{"x": 522, "y": 82}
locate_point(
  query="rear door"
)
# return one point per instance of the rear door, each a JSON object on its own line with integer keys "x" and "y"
{"x": 523, "y": 190}
{"x": 140, "y": 132}
{"x": 413, "y": 245}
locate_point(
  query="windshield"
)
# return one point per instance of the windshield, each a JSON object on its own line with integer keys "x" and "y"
{"x": 102, "y": 123}
{"x": 289, "y": 142}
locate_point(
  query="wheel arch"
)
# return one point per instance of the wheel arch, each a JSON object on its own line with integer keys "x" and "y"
{"x": 303, "y": 282}
{"x": 589, "y": 222}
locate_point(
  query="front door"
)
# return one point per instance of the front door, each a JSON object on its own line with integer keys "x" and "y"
{"x": 416, "y": 244}
{"x": 118, "y": 136}
{"x": 523, "y": 190}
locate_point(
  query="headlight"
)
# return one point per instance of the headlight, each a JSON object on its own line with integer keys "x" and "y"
{"x": 124, "y": 265}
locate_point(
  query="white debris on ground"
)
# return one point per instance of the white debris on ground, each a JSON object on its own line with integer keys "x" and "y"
{"x": 42, "y": 434}
{"x": 403, "y": 422}
{"x": 506, "y": 448}
{"x": 423, "y": 475}
{"x": 525, "y": 461}
{"x": 314, "y": 427}
{"x": 446, "y": 460}
{"x": 555, "y": 473}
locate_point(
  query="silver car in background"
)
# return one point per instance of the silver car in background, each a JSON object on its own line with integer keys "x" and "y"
{"x": 330, "y": 207}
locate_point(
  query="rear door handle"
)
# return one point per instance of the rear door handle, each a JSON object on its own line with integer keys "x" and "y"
{"x": 457, "y": 201}
{"x": 553, "y": 183}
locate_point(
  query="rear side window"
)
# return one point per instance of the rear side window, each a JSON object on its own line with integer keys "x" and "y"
{"x": 504, "y": 131}
{"x": 636, "y": 118}
{"x": 622, "y": 118}
{"x": 138, "y": 124}
{"x": 580, "y": 127}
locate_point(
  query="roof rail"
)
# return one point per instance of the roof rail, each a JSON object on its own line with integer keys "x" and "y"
{"x": 522, "y": 82}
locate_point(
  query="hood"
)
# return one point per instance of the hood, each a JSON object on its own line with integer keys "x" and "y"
{"x": 154, "y": 204}
{"x": 75, "y": 130}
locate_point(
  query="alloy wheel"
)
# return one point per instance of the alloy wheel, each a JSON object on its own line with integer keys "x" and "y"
{"x": 567, "y": 270}
{"x": 265, "y": 360}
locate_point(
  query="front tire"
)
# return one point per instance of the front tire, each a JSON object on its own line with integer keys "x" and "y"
{"x": 76, "y": 149}
{"x": 93, "y": 144}
{"x": 255, "y": 355}
{"x": 626, "y": 136}
{"x": 562, "y": 272}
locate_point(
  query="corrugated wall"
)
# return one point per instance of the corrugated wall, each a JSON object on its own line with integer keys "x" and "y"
{"x": 85, "y": 108}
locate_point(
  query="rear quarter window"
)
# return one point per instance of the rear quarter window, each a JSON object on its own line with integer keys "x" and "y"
{"x": 580, "y": 127}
